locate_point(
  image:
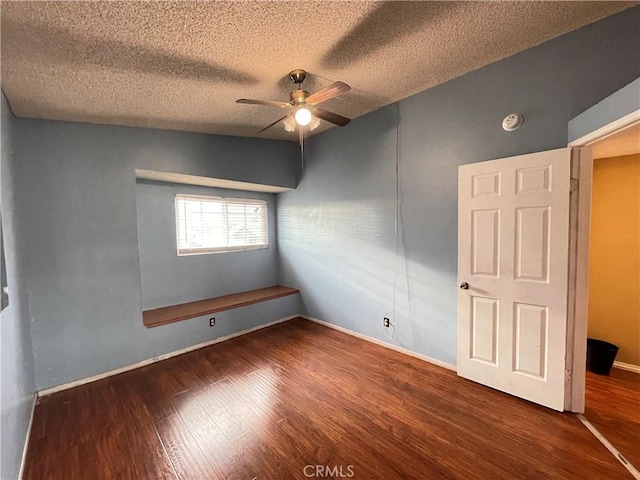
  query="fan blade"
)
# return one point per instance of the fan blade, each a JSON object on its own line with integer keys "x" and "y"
{"x": 331, "y": 117}
{"x": 272, "y": 124}
{"x": 267, "y": 103}
{"x": 327, "y": 93}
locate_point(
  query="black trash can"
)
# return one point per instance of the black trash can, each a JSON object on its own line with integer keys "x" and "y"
{"x": 600, "y": 356}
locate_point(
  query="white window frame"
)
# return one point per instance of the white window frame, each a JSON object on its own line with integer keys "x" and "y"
{"x": 234, "y": 248}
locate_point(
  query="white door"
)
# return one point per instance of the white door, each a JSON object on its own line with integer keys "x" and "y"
{"x": 513, "y": 239}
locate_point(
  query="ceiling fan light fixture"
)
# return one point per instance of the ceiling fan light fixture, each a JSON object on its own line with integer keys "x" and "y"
{"x": 315, "y": 122}
{"x": 303, "y": 117}
{"x": 299, "y": 99}
{"x": 290, "y": 124}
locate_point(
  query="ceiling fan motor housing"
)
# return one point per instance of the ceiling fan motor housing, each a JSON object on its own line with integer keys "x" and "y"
{"x": 298, "y": 96}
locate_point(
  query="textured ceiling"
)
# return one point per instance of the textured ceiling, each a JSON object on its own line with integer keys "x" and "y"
{"x": 182, "y": 65}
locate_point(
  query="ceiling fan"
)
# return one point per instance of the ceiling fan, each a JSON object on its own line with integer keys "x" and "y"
{"x": 305, "y": 104}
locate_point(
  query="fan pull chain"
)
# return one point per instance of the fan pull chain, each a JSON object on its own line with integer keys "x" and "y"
{"x": 301, "y": 151}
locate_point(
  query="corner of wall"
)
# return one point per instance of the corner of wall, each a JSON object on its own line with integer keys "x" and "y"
{"x": 18, "y": 378}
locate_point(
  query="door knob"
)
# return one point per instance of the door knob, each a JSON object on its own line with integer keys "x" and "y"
{"x": 464, "y": 286}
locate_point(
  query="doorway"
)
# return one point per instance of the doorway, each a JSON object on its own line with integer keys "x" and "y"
{"x": 611, "y": 167}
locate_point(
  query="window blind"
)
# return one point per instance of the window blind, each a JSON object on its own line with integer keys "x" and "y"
{"x": 213, "y": 224}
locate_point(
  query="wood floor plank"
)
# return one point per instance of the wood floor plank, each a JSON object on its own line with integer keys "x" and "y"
{"x": 186, "y": 457}
{"x": 268, "y": 404}
{"x": 613, "y": 407}
{"x": 47, "y": 460}
{"x": 229, "y": 423}
{"x": 259, "y": 453}
{"x": 151, "y": 460}
{"x": 156, "y": 386}
{"x": 115, "y": 458}
{"x": 218, "y": 450}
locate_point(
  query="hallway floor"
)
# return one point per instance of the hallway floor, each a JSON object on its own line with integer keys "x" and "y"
{"x": 613, "y": 407}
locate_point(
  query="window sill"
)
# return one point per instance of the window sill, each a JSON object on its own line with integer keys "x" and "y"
{"x": 184, "y": 311}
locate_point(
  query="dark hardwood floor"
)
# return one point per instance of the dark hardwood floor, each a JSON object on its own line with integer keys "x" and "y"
{"x": 277, "y": 402}
{"x": 613, "y": 407}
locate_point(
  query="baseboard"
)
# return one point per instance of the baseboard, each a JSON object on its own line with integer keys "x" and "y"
{"x": 627, "y": 366}
{"x": 144, "y": 363}
{"x": 28, "y": 436}
{"x": 390, "y": 346}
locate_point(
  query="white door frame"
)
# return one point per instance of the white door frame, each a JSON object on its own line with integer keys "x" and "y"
{"x": 582, "y": 170}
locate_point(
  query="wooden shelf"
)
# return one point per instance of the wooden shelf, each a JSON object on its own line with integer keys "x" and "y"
{"x": 184, "y": 311}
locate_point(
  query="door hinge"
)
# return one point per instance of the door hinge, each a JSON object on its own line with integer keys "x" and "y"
{"x": 573, "y": 186}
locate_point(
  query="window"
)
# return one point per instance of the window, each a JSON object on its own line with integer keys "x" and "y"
{"x": 215, "y": 225}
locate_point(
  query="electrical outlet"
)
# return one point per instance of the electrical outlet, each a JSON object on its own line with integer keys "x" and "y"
{"x": 386, "y": 322}
{"x": 212, "y": 322}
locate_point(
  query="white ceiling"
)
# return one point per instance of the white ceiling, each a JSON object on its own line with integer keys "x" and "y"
{"x": 182, "y": 65}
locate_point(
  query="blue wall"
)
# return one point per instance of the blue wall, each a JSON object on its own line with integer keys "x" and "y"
{"x": 76, "y": 207}
{"x": 336, "y": 231}
{"x": 168, "y": 279}
{"x": 623, "y": 102}
{"x": 17, "y": 377}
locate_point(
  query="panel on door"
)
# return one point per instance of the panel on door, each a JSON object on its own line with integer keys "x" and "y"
{"x": 484, "y": 329}
{"x": 513, "y": 237}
